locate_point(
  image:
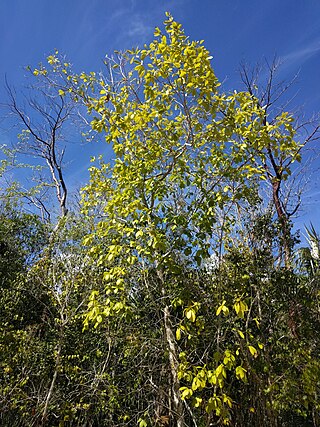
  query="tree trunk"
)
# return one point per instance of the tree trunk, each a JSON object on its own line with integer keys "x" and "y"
{"x": 283, "y": 220}
{"x": 177, "y": 403}
{"x": 52, "y": 385}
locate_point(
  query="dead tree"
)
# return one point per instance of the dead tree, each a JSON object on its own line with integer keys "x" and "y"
{"x": 41, "y": 120}
{"x": 271, "y": 99}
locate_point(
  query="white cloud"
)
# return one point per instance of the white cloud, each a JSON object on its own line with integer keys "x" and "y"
{"x": 138, "y": 28}
{"x": 301, "y": 55}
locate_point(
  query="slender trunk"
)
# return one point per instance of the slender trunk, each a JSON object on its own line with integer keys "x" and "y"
{"x": 178, "y": 409}
{"x": 283, "y": 220}
{"x": 176, "y": 403}
{"x": 52, "y": 385}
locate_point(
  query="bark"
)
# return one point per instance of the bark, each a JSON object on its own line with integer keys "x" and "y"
{"x": 52, "y": 385}
{"x": 176, "y": 403}
{"x": 283, "y": 219}
{"x": 178, "y": 409}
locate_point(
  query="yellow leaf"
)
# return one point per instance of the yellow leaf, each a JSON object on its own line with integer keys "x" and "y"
{"x": 253, "y": 351}
{"x": 222, "y": 308}
{"x": 197, "y": 402}
{"x": 191, "y": 314}
{"x": 139, "y": 233}
{"x": 178, "y": 334}
{"x": 185, "y": 392}
{"x": 240, "y": 373}
{"x": 241, "y": 334}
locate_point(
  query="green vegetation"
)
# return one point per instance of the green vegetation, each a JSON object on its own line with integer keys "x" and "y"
{"x": 175, "y": 296}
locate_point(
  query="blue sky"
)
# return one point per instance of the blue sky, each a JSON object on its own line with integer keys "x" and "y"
{"x": 233, "y": 30}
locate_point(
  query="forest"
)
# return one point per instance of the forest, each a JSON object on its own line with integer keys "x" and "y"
{"x": 172, "y": 289}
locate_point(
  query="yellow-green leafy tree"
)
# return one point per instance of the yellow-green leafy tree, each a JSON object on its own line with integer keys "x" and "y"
{"x": 187, "y": 155}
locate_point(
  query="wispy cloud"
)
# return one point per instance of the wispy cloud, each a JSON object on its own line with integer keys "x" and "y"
{"x": 122, "y": 25}
{"x": 299, "y": 56}
{"x": 138, "y": 28}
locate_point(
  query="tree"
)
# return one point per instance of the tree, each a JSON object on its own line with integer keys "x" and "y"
{"x": 186, "y": 155}
{"x": 44, "y": 118}
{"x": 278, "y": 162}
